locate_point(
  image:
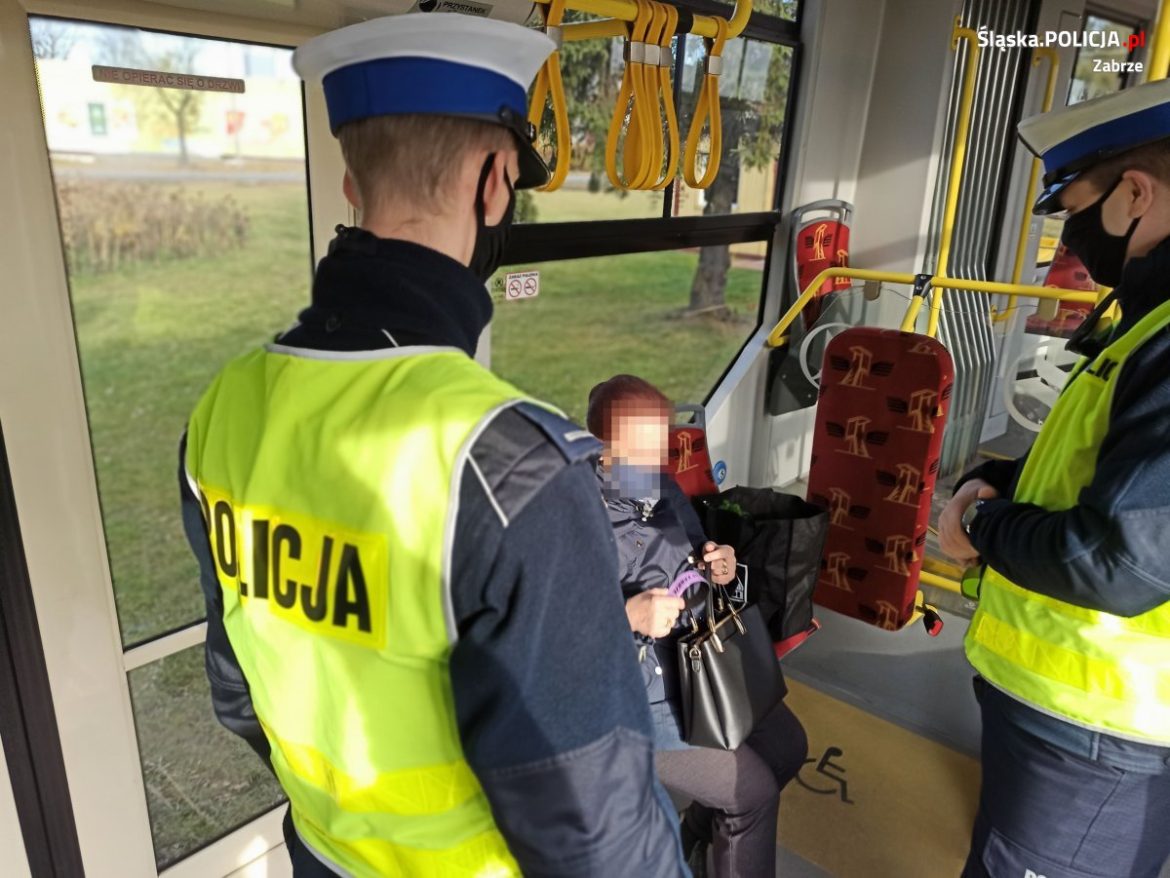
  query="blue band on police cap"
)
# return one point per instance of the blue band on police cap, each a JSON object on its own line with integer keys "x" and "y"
{"x": 396, "y": 86}
{"x": 1115, "y": 135}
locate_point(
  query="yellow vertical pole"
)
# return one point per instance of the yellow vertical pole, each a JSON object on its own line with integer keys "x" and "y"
{"x": 1033, "y": 179}
{"x": 956, "y": 172}
{"x": 1159, "y": 57}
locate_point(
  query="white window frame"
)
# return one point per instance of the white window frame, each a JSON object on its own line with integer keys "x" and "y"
{"x": 45, "y": 424}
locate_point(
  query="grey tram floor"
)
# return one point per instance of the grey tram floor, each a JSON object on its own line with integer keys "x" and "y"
{"x": 918, "y": 682}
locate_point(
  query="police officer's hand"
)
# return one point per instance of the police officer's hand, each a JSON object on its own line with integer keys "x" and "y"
{"x": 719, "y": 563}
{"x": 653, "y": 612}
{"x": 952, "y": 537}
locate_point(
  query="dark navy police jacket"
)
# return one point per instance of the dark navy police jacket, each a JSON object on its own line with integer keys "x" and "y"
{"x": 568, "y": 768}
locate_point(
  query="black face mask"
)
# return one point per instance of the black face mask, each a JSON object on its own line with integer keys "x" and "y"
{"x": 490, "y": 240}
{"x": 1103, "y": 254}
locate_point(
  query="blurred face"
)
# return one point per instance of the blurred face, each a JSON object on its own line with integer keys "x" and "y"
{"x": 640, "y": 434}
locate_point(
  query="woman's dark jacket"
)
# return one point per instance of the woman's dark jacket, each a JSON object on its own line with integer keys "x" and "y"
{"x": 654, "y": 541}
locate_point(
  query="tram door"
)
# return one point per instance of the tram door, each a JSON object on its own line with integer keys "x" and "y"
{"x": 13, "y": 860}
{"x": 163, "y": 192}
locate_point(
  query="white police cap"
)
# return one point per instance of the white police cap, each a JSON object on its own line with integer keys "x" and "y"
{"x": 1073, "y": 139}
{"x": 432, "y": 63}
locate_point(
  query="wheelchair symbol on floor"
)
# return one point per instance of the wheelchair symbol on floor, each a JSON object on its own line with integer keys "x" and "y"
{"x": 830, "y": 771}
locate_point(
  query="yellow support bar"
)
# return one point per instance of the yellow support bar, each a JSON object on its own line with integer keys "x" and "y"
{"x": 1033, "y": 178}
{"x": 937, "y": 581}
{"x": 778, "y": 336}
{"x": 1160, "y": 49}
{"x": 910, "y": 321}
{"x": 1003, "y": 289}
{"x": 958, "y": 155}
{"x": 621, "y": 11}
{"x": 941, "y": 568}
{"x": 603, "y": 28}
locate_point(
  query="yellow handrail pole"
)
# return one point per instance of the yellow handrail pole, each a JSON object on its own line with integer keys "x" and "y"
{"x": 941, "y": 568}
{"x": 939, "y": 582}
{"x": 603, "y": 28}
{"x": 1160, "y": 50}
{"x": 1033, "y": 179}
{"x": 776, "y": 337}
{"x": 619, "y": 11}
{"x": 1006, "y": 289}
{"x": 956, "y": 173}
{"x": 910, "y": 320}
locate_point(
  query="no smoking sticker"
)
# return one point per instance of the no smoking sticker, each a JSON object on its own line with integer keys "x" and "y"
{"x": 522, "y": 285}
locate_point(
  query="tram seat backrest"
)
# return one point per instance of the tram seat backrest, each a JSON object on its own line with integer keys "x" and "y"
{"x": 689, "y": 457}
{"x": 817, "y": 244}
{"x": 883, "y": 404}
{"x": 690, "y": 462}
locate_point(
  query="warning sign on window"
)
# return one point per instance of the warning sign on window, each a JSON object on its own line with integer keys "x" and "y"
{"x": 166, "y": 79}
{"x": 522, "y": 285}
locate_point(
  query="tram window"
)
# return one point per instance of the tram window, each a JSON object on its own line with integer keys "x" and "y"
{"x": 592, "y": 73}
{"x": 754, "y": 99}
{"x": 599, "y": 316}
{"x": 786, "y": 9}
{"x": 185, "y": 224}
{"x": 201, "y": 781}
{"x": 753, "y": 91}
{"x": 1101, "y": 71}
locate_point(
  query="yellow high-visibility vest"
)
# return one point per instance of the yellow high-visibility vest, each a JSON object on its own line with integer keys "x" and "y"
{"x": 1091, "y": 668}
{"x": 330, "y": 484}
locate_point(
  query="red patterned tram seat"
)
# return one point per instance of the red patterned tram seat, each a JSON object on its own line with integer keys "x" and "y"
{"x": 883, "y": 403}
{"x": 820, "y": 240}
{"x": 689, "y": 459}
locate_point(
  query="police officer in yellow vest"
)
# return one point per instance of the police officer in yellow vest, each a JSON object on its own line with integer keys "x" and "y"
{"x": 412, "y": 587}
{"x": 1071, "y": 638}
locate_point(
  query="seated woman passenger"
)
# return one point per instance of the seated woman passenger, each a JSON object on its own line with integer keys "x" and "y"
{"x": 736, "y": 793}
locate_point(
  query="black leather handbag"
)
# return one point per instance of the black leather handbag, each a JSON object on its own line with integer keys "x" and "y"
{"x": 728, "y": 673}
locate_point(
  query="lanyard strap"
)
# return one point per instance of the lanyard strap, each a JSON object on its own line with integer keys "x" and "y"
{"x": 684, "y": 581}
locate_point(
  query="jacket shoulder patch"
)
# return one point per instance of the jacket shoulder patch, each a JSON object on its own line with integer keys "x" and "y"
{"x": 520, "y": 451}
{"x": 573, "y": 441}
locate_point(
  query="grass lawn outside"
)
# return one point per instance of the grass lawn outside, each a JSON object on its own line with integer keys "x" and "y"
{"x": 597, "y": 317}
{"x": 202, "y": 781}
{"x": 572, "y": 205}
{"x": 151, "y": 338}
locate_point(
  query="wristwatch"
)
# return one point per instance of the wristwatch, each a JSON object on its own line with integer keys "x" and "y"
{"x": 969, "y": 516}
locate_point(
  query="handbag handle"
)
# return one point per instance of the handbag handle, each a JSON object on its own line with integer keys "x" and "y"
{"x": 712, "y": 624}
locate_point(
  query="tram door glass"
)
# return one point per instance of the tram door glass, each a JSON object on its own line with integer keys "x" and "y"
{"x": 1102, "y": 71}
{"x": 181, "y": 188}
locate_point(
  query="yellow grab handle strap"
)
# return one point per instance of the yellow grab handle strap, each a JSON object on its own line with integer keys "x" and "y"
{"x": 626, "y": 92}
{"x": 707, "y": 109}
{"x": 549, "y": 82}
{"x": 641, "y": 138}
{"x": 667, "y": 94}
